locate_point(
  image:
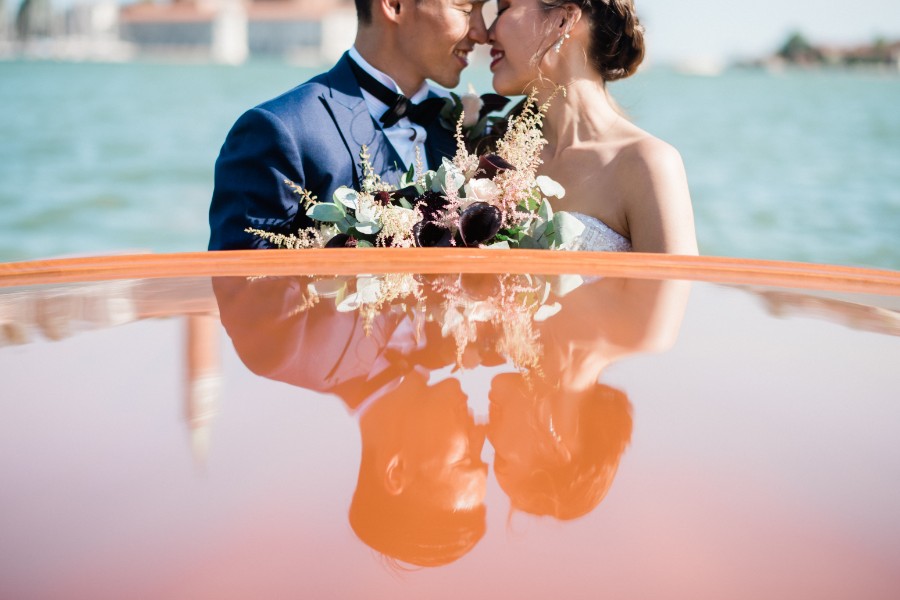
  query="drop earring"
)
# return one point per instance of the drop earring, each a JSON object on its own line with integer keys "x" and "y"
{"x": 558, "y": 46}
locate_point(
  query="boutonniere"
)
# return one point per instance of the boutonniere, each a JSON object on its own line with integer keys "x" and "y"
{"x": 478, "y": 111}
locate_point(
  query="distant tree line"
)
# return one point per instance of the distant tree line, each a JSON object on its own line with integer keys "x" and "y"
{"x": 797, "y": 49}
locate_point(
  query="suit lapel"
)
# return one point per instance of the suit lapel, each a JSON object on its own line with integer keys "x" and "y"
{"x": 356, "y": 126}
{"x": 439, "y": 144}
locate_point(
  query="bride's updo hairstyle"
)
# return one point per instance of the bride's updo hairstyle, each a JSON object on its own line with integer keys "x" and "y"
{"x": 617, "y": 37}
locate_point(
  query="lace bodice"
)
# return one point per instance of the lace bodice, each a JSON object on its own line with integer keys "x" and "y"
{"x": 598, "y": 237}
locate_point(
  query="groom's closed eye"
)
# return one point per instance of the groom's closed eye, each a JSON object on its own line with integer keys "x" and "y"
{"x": 466, "y": 8}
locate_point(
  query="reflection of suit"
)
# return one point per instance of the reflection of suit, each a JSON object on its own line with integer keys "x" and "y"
{"x": 311, "y": 135}
{"x": 321, "y": 349}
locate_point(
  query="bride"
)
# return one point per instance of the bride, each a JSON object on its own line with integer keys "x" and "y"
{"x": 627, "y": 187}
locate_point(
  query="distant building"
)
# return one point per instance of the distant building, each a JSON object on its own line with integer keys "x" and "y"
{"x": 93, "y": 20}
{"x": 35, "y": 20}
{"x": 4, "y": 21}
{"x": 90, "y": 31}
{"x": 311, "y": 31}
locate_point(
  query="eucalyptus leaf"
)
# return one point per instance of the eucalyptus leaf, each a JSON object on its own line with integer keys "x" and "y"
{"x": 437, "y": 182}
{"x": 546, "y": 311}
{"x": 529, "y": 243}
{"x": 408, "y": 178}
{"x": 347, "y": 197}
{"x": 545, "y": 211}
{"x": 328, "y": 288}
{"x": 349, "y": 303}
{"x": 504, "y": 245}
{"x": 327, "y": 212}
{"x": 550, "y": 187}
{"x": 368, "y": 228}
{"x": 545, "y": 293}
{"x": 567, "y": 228}
{"x": 364, "y": 244}
{"x": 563, "y": 284}
{"x": 429, "y": 179}
{"x": 454, "y": 179}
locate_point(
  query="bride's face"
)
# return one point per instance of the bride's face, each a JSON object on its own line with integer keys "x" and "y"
{"x": 522, "y": 32}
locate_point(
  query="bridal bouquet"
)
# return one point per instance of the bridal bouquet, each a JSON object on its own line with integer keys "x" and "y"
{"x": 492, "y": 200}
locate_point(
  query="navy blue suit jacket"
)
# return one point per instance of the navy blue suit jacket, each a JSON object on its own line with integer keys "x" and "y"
{"x": 311, "y": 135}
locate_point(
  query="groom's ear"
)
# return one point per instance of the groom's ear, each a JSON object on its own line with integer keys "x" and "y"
{"x": 391, "y": 9}
{"x": 395, "y": 475}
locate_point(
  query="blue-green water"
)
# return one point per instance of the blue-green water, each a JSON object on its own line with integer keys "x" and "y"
{"x": 101, "y": 158}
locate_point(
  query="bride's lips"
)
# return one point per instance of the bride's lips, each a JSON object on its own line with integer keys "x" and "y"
{"x": 496, "y": 56}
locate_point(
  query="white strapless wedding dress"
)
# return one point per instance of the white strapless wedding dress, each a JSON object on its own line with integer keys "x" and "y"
{"x": 597, "y": 237}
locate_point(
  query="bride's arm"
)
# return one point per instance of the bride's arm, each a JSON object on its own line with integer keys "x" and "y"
{"x": 658, "y": 207}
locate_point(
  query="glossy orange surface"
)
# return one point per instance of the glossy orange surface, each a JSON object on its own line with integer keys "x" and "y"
{"x": 450, "y": 435}
{"x": 439, "y": 260}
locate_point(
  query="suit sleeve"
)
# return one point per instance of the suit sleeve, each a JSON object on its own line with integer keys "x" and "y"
{"x": 259, "y": 153}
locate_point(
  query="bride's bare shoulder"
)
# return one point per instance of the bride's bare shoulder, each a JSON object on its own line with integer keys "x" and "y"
{"x": 650, "y": 155}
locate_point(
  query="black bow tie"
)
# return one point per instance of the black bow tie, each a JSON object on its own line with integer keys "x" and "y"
{"x": 399, "y": 106}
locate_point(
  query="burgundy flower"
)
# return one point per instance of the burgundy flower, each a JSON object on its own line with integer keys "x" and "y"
{"x": 383, "y": 198}
{"x": 492, "y": 103}
{"x": 431, "y": 235}
{"x": 341, "y": 240}
{"x": 479, "y": 223}
{"x": 409, "y": 192}
{"x": 491, "y": 164}
{"x": 431, "y": 204}
{"x": 480, "y": 286}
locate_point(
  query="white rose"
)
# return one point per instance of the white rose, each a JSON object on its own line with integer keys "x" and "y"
{"x": 481, "y": 190}
{"x": 472, "y": 105}
{"x": 368, "y": 290}
{"x": 453, "y": 318}
{"x": 481, "y": 311}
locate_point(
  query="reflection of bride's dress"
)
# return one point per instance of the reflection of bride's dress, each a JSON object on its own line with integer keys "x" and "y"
{"x": 598, "y": 236}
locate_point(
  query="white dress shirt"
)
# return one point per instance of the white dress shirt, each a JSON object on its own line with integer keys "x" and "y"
{"x": 405, "y": 136}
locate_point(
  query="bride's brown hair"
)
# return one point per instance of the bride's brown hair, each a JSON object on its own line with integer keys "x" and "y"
{"x": 617, "y": 37}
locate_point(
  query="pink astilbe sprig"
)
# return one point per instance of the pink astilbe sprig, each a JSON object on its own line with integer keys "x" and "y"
{"x": 508, "y": 308}
{"x": 521, "y": 146}
{"x": 305, "y": 238}
{"x": 464, "y": 160}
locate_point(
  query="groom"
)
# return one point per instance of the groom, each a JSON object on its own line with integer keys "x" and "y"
{"x": 312, "y": 135}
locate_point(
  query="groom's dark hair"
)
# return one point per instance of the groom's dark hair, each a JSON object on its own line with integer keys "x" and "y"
{"x": 364, "y": 11}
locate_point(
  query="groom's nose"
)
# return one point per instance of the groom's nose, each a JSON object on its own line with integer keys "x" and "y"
{"x": 477, "y": 27}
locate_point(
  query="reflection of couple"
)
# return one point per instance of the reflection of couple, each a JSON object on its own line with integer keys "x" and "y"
{"x": 557, "y": 433}
{"x": 627, "y": 187}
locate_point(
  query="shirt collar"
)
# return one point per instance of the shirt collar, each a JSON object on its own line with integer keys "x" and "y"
{"x": 387, "y": 80}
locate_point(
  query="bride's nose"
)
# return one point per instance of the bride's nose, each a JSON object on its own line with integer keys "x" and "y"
{"x": 478, "y": 28}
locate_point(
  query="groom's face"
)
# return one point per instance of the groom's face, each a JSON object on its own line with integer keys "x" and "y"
{"x": 439, "y": 37}
{"x": 441, "y": 446}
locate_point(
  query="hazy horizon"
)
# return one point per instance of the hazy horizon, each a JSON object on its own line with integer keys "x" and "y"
{"x": 699, "y": 29}
{"x": 705, "y": 30}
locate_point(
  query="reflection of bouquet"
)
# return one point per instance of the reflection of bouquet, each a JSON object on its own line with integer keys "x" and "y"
{"x": 494, "y": 200}
{"x": 501, "y": 310}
